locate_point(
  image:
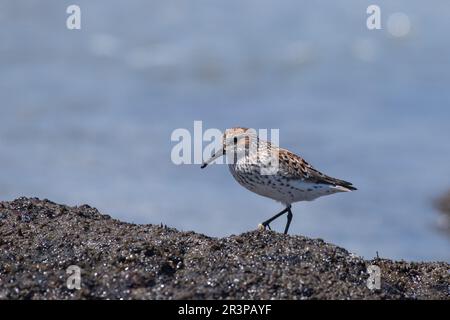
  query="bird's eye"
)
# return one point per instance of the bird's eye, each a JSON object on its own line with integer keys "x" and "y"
{"x": 235, "y": 140}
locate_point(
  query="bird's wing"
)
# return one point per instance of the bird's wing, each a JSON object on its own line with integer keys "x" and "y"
{"x": 295, "y": 167}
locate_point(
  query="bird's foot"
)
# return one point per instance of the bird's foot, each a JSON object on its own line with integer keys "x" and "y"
{"x": 263, "y": 226}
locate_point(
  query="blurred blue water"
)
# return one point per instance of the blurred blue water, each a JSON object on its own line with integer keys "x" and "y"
{"x": 86, "y": 116}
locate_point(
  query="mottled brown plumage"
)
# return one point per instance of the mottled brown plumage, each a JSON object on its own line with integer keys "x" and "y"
{"x": 294, "y": 166}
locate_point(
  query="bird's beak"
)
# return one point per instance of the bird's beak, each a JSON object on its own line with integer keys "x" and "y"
{"x": 216, "y": 155}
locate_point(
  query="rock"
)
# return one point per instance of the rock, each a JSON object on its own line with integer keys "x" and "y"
{"x": 40, "y": 240}
{"x": 443, "y": 205}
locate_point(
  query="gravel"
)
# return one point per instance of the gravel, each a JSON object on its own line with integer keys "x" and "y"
{"x": 40, "y": 239}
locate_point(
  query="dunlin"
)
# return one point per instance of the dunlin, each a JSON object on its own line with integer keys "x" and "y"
{"x": 290, "y": 179}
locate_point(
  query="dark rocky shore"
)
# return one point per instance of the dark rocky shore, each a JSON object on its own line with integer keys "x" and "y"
{"x": 39, "y": 240}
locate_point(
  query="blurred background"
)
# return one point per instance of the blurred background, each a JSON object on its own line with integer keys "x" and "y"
{"x": 86, "y": 115}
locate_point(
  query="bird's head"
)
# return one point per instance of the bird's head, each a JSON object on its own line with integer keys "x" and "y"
{"x": 236, "y": 140}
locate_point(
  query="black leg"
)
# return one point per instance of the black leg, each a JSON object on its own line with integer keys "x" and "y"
{"x": 266, "y": 223}
{"x": 289, "y": 219}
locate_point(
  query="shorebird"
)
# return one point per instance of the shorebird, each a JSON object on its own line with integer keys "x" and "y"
{"x": 273, "y": 172}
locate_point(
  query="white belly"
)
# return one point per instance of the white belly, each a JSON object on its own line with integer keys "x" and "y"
{"x": 278, "y": 188}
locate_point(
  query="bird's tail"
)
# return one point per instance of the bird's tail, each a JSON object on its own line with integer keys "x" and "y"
{"x": 344, "y": 185}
